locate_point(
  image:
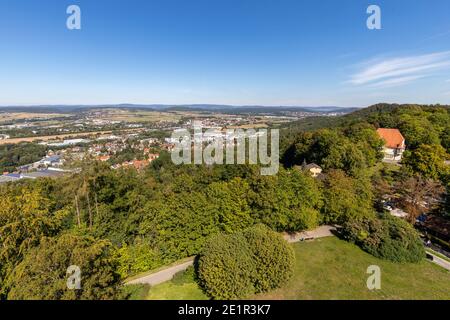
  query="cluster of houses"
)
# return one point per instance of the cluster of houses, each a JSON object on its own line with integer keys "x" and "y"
{"x": 225, "y": 121}
{"x": 137, "y": 164}
{"x": 214, "y": 134}
{"x": 105, "y": 147}
{"x": 52, "y": 163}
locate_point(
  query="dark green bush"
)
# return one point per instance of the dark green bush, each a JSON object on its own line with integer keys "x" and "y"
{"x": 226, "y": 267}
{"x": 386, "y": 237}
{"x": 238, "y": 265}
{"x": 274, "y": 258}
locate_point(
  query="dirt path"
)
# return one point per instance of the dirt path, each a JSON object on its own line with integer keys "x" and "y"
{"x": 163, "y": 275}
{"x": 320, "y": 232}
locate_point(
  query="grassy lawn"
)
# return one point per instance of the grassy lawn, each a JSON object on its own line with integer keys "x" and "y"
{"x": 181, "y": 287}
{"x": 171, "y": 291}
{"x": 330, "y": 268}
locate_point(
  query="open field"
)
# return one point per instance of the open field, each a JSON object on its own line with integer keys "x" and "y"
{"x": 330, "y": 268}
{"x": 59, "y": 136}
{"x": 138, "y": 115}
{"x": 11, "y": 116}
{"x": 249, "y": 126}
{"x": 129, "y": 115}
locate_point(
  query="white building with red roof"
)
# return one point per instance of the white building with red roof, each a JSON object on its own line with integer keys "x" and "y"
{"x": 394, "y": 143}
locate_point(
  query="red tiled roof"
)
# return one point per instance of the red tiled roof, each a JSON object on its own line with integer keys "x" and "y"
{"x": 103, "y": 158}
{"x": 139, "y": 164}
{"x": 393, "y": 137}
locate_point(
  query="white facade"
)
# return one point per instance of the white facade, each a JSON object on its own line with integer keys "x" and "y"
{"x": 393, "y": 154}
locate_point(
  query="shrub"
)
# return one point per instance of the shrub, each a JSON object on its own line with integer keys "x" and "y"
{"x": 238, "y": 265}
{"x": 273, "y": 257}
{"x": 133, "y": 259}
{"x": 386, "y": 237}
{"x": 226, "y": 267}
{"x": 305, "y": 219}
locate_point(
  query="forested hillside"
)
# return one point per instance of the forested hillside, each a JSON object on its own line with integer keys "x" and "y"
{"x": 428, "y": 125}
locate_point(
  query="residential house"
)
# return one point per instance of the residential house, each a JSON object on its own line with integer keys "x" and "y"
{"x": 314, "y": 169}
{"x": 394, "y": 144}
{"x": 103, "y": 158}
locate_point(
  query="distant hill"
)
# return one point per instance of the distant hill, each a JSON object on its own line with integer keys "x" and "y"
{"x": 188, "y": 107}
{"x": 370, "y": 114}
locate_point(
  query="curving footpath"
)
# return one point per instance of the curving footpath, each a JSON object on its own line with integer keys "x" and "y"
{"x": 163, "y": 275}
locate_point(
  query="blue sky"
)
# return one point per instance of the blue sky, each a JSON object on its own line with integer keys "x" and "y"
{"x": 242, "y": 52}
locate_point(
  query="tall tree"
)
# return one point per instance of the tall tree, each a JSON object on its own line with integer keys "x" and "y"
{"x": 419, "y": 195}
{"x": 25, "y": 217}
{"x": 427, "y": 160}
{"x": 43, "y": 274}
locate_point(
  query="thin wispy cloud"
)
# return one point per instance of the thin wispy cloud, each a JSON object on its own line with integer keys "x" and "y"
{"x": 395, "y": 81}
{"x": 439, "y": 35}
{"x": 400, "y": 70}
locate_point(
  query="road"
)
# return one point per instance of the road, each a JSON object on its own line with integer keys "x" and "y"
{"x": 163, "y": 275}
{"x": 439, "y": 261}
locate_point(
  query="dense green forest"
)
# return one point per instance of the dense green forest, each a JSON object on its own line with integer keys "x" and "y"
{"x": 123, "y": 222}
{"x": 14, "y": 155}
